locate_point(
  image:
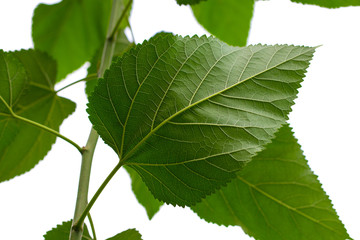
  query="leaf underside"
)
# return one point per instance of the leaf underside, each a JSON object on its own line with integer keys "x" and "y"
{"x": 130, "y": 234}
{"x": 330, "y": 3}
{"x": 70, "y": 31}
{"x": 227, "y": 20}
{"x": 187, "y": 113}
{"x": 31, "y": 86}
{"x": 276, "y": 196}
{"x": 62, "y": 232}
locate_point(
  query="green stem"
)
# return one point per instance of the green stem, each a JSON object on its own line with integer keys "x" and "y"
{"x": 82, "y": 201}
{"x": 123, "y": 15}
{"x": 81, "y": 219}
{"x": 92, "y": 226}
{"x": 82, "y": 197}
{"x": 88, "y": 78}
{"x": 38, "y": 125}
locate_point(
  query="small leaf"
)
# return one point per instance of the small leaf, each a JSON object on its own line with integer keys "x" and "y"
{"x": 187, "y": 113}
{"x": 62, "y": 232}
{"x": 143, "y": 195}
{"x": 70, "y": 31}
{"x": 330, "y": 3}
{"x": 227, "y": 20}
{"x": 276, "y": 196}
{"x": 31, "y": 89}
{"x": 130, "y": 234}
{"x": 190, "y": 2}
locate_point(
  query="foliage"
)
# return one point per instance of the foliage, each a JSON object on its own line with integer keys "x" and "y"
{"x": 195, "y": 122}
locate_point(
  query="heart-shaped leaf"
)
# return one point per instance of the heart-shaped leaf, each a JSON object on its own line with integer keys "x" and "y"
{"x": 27, "y": 81}
{"x": 187, "y": 113}
{"x": 276, "y": 196}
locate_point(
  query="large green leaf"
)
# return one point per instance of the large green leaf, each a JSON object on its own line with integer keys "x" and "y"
{"x": 62, "y": 232}
{"x": 130, "y": 234}
{"x": 330, "y": 3}
{"x": 187, "y": 113}
{"x": 29, "y": 91}
{"x": 276, "y": 196}
{"x": 71, "y": 31}
{"x": 227, "y": 20}
{"x": 143, "y": 195}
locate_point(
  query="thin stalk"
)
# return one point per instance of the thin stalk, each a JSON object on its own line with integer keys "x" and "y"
{"x": 92, "y": 226}
{"x": 123, "y": 14}
{"x": 81, "y": 219}
{"x": 43, "y": 127}
{"x": 88, "y": 78}
{"x": 82, "y": 198}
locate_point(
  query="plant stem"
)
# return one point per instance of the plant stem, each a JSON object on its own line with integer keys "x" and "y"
{"x": 92, "y": 226}
{"x": 123, "y": 15}
{"x": 41, "y": 126}
{"x": 88, "y": 78}
{"x": 82, "y": 201}
{"x": 97, "y": 194}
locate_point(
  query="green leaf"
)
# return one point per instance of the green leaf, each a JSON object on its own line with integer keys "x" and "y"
{"x": 330, "y": 3}
{"x": 143, "y": 195}
{"x": 130, "y": 234}
{"x": 71, "y": 31}
{"x": 276, "y": 196}
{"x": 121, "y": 46}
{"x": 190, "y": 2}
{"x": 29, "y": 91}
{"x": 187, "y": 113}
{"x": 227, "y": 20}
{"x": 13, "y": 79}
{"x": 62, "y": 232}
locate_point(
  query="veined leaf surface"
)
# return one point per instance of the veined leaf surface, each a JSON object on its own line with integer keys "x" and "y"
{"x": 29, "y": 91}
{"x": 227, "y": 20}
{"x": 187, "y": 113}
{"x": 276, "y": 196}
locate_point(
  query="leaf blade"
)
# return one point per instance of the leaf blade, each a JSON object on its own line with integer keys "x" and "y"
{"x": 229, "y": 21}
{"x": 70, "y": 28}
{"x": 37, "y": 102}
{"x": 170, "y": 119}
{"x": 277, "y": 191}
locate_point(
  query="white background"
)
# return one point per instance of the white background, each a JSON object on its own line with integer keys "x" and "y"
{"x": 325, "y": 120}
